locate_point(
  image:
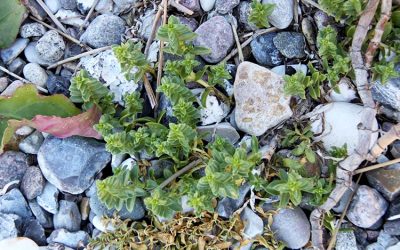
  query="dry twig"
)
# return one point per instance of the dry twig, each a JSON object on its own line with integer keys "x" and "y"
{"x": 386, "y": 7}
{"x": 21, "y": 79}
{"x": 73, "y": 58}
{"x": 154, "y": 28}
{"x": 50, "y": 14}
{"x": 180, "y": 7}
{"x": 89, "y": 14}
{"x": 72, "y": 39}
{"x": 346, "y": 167}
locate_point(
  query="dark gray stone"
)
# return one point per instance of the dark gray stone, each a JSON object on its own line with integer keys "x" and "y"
{"x": 67, "y": 238}
{"x": 264, "y": 50}
{"x": 227, "y": 206}
{"x": 244, "y": 13}
{"x": 68, "y": 4}
{"x": 290, "y": 44}
{"x": 12, "y": 167}
{"x": 32, "y": 30}
{"x": 48, "y": 199}
{"x": 68, "y": 216}
{"x": 216, "y": 34}
{"x": 392, "y": 227}
{"x": 291, "y": 226}
{"x": 32, "y": 183}
{"x": 388, "y": 94}
{"x": 14, "y": 202}
{"x": 224, "y": 129}
{"x": 42, "y": 216}
{"x": 58, "y": 85}
{"x": 33, "y": 230}
{"x": 226, "y": 6}
{"x": 98, "y": 208}
{"x": 8, "y": 227}
{"x": 16, "y": 66}
{"x": 104, "y": 30}
{"x": 12, "y": 52}
{"x": 32, "y": 143}
{"x": 346, "y": 240}
{"x": 189, "y": 22}
{"x": 254, "y": 225}
{"x": 72, "y": 163}
{"x": 193, "y": 5}
{"x": 367, "y": 207}
{"x": 395, "y": 151}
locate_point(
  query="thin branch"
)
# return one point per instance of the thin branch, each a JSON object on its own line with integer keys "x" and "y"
{"x": 22, "y": 79}
{"x": 386, "y": 7}
{"x": 89, "y": 14}
{"x": 248, "y": 41}
{"x": 180, "y": 7}
{"x": 180, "y": 172}
{"x": 335, "y": 232}
{"x": 377, "y": 166}
{"x": 384, "y": 141}
{"x": 161, "y": 52}
{"x": 73, "y": 58}
{"x": 239, "y": 48}
{"x": 149, "y": 91}
{"x": 153, "y": 29}
{"x": 72, "y": 39}
{"x": 50, "y": 14}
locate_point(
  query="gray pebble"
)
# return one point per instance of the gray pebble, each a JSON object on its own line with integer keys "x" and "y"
{"x": 32, "y": 30}
{"x": 32, "y": 183}
{"x": 51, "y": 46}
{"x": 68, "y": 216}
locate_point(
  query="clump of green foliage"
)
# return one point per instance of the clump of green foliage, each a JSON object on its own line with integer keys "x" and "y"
{"x": 226, "y": 168}
{"x": 335, "y": 65}
{"x": 346, "y": 10}
{"x": 259, "y": 13}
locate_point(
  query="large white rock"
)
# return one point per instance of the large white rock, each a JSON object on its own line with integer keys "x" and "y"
{"x": 337, "y": 124}
{"x": 19, "y": 243}
{"x": 260, "y": 101}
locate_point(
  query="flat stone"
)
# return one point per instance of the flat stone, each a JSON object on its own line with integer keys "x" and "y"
{"x": 51, "y": 46}
{"x": 290, "y": 44}
{"x": 8, "y": 228}
{"x": 254, "y": 225}
{"x": 16, "y": 66}
{"x": 70, "y": 17}
{"x": 71, "y": 164}
{"x": 68, "y": 4}
{"x": 104, "y": 30}
{"x": 260, "y": 101}
{"x": 19, "y": 243}
{"x": 207, "y": 5}
{"x": 282, "y": 15}
{"x": 42, "y": 216}
{"x": 224, "y": 130}
{"x": 32, "y": 183}
{"x": 98, "y": 208}
{"x": 388, "y": 94}
{"x": 12, "y": 52}
{"x": 34, "y": 231}
{"x": 32, "y": 143}
{"x": 68, "y": 216}
{"x": 12, "y": 167}
{"x": 216, "y": 34}
{"x": 193, "y": 5}
{"x": 367, "y": 207}
{"x": 9, "y": 91}
{"x": 346, "y": 240}
{"x": 14, "y": 202}
{"x": 395, "y": 151}
{"x": 227, "y": 206}
{"x": 35, "y": 74}
{"x": 333, "y": 132}
{"x": 191, "y": 23}
{"x": 67, "y": 238}
{"x": 341, "y": 205}
{"x": 291, "y": 226}
{"x": 386, "y": 180}
{"x": 244, "y": 14}
{"x": 226, "y": 6}
{"x": 33, "y": 56}
{"x": 48, "y": 199}
{"x": 147, "y": 24}
{"x": 53, "y": 5}
{"x": 264, "y": 50}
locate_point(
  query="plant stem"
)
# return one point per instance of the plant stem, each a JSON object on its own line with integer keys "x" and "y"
{"x": 377, "y": 166}
{"x": 215, "y": 90}
{"x": 180, "y": 172}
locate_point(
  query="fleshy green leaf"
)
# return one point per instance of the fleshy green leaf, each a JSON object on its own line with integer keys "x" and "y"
{"x": 11, "y": 16}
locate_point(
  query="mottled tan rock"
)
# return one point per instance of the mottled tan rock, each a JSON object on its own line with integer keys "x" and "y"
{"x": 260, "y": 101}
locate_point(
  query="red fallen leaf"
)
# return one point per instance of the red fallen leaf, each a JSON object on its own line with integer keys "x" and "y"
{"x": 81, "y": 124}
